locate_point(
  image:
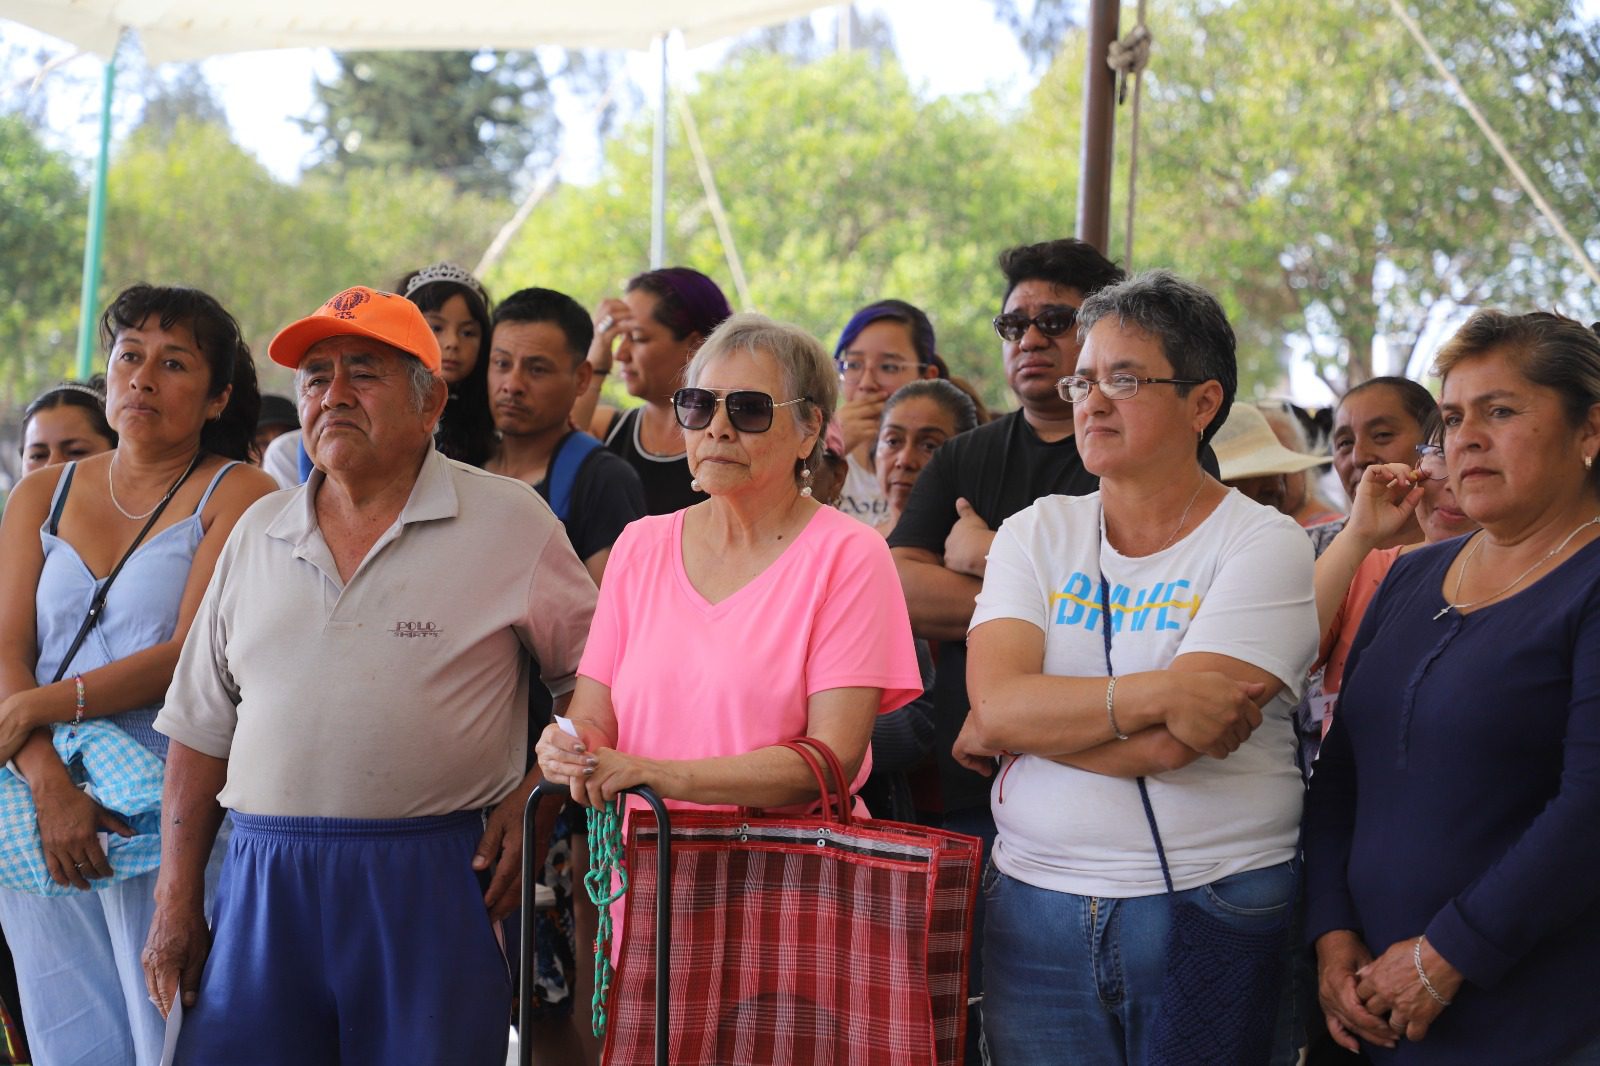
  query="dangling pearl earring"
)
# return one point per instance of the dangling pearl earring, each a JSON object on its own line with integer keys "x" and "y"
{"x": 805, "y": 476}
{"x": 694, "y": 484}
{"x": 1588, "y": 462}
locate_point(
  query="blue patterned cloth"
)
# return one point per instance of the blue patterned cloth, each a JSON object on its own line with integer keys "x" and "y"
{"x": 120, "y": 774}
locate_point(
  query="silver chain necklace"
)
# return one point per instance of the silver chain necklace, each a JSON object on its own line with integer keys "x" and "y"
{"x": 111, "y": 484}
{"x": 1182, "y": 519}
{"x": 1462, "y": 573}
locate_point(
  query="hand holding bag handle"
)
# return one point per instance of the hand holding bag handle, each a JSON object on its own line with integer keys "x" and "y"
{"x": 663, "y": 917}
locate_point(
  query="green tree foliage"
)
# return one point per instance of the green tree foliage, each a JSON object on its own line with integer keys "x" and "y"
{"x": 194, "y": 208}
{"x": 41, "y": 230}
{"x": 1305, "y": 162}
{"x": 843, "y": 184}
{"x": 479, "y": 118}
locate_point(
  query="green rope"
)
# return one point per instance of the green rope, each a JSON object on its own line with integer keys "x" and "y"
{"x": 605, "y": 859}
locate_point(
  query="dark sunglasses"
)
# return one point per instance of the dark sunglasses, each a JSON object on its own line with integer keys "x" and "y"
{"x": 748, "y": 411}
{"x": 1052, "y": 322}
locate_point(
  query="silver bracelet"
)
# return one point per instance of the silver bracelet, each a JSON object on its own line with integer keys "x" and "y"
{"x": 1416, "y": 957}
{"x": 1111, "y": 713}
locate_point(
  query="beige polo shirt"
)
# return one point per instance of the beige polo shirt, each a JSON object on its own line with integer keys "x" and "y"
{"x": 403, "y": 693}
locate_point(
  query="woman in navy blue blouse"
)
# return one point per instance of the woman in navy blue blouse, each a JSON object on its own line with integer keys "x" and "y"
{"x": 1453, "y": 861}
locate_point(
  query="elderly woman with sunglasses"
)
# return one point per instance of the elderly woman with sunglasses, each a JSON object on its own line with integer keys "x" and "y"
{"x": 1454, "y": 886}
{"x": 745, "y": 621}
{"x": 1135, "y": 655}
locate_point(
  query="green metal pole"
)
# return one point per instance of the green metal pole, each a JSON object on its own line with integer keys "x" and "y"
{"x": 97, "y": 225}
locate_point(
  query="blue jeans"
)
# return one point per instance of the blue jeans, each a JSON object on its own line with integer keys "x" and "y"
{"x": 1078, "y": 978}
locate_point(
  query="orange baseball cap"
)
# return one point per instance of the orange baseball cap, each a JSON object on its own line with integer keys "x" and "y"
{"x": 359, "y": 312}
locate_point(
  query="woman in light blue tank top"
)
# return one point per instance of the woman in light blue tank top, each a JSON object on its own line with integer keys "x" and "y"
{"x": 182, "y": 396}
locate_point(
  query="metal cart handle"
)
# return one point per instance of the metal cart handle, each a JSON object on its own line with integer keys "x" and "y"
{"x": 525, "y": 961}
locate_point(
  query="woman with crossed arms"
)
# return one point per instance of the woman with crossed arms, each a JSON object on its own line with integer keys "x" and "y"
{"x": 1157, "y": 630}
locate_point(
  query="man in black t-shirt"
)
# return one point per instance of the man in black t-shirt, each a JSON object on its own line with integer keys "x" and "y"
{"x": 537, "y": 371}
{"x": 979, "y": 479}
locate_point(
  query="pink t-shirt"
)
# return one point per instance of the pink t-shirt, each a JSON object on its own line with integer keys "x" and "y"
{"x": 695, "y": 680}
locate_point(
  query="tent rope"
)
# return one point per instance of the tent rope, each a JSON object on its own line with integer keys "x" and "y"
{"x": 719, "y": 215}
{"x": 1499, "y": 146}
{"x": 540, "y": 189}
{"x": 1129, "y": 57}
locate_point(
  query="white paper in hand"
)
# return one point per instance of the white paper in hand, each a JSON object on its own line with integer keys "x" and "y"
{"x": 566, "y": 725}
{"x": 169, "y": 1046}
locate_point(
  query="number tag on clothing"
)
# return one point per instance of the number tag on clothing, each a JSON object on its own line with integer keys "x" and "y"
{"x": 1323, "y": 705}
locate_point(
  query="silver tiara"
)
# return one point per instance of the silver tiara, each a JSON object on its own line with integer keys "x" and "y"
{"x": 445, "y": 272}
{"x": 78, "y": 386}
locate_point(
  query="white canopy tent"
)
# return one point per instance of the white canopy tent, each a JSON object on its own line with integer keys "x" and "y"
{"x": 194, "y": 29}
{"x": 172, "y": 30}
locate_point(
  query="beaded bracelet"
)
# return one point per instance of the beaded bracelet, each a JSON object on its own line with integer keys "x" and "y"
{"x": 77, "y": 715}
{"x": 1416, "y": 957}
{"x": 1111, "y": 714}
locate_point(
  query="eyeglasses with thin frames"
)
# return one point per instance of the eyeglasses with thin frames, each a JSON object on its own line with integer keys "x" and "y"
{"x": 851, "y": 369}
{"x": 1430, "y": 462}
{"x": 749, "y": 411}
{"x": 1075, "y": 387}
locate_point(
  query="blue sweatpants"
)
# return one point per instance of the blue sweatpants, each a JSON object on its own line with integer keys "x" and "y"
{"x": 350, "y": 942}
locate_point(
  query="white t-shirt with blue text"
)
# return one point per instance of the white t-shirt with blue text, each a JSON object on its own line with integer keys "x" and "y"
{"x": 1239, "y": 585}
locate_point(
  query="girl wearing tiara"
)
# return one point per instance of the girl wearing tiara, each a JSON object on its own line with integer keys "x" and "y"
{"x": 456, "y": 305}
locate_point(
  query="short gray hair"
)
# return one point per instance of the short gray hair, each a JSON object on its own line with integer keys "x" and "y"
{"x": 1186, "y": 320}
{"x": 422, "y": 381}
{"x": 419, "y": 378}
{"x": 803, "y": 363}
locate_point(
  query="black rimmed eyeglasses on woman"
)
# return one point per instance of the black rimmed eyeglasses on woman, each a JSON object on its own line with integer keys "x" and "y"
{"x": 749, "y": 411}
{"x": 1075, "y": 388}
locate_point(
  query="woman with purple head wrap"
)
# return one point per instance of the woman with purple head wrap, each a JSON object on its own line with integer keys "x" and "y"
{"x": 649, "y": 335}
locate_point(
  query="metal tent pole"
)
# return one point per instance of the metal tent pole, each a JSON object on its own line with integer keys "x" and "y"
{"x": 658, "y": 184}
{"x": 97, "y": 224}
{"x": 1099, "y": 126}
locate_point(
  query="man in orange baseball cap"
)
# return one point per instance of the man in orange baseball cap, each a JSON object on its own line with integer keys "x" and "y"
{"x": 359, "y": 312}
{"x": 358, "y": 703}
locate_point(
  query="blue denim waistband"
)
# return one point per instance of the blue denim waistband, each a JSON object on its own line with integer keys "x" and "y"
{"x": 284, "y": 827}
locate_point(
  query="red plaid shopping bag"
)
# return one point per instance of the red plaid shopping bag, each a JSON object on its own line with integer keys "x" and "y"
{"x": 798, "y": 939}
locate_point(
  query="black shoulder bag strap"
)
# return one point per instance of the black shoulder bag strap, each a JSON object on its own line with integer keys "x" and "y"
{"x": 1144, "y": 791}
{"x": 98, "y": 604}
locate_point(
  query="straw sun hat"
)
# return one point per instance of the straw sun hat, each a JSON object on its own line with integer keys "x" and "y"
{"x": 1246, "y": 447}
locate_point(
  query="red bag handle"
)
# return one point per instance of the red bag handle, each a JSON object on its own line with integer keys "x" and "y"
{"x": 815, "y": 766}
{"x": 811, "y": 750}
